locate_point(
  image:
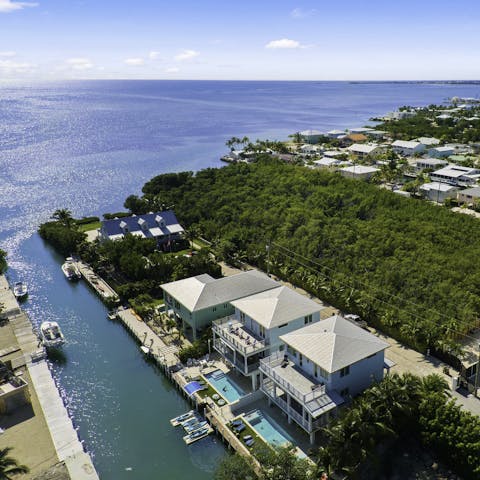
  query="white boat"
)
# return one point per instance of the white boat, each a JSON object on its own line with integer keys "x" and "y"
{"x": 182, "y": 418}
{"x": 20, "y": 290}
{"x": 70, "y": 270}
{"x": 197, "y": 435}
{"x": 51, "y": 335}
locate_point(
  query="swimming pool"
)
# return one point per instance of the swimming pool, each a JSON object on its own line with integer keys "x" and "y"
{"x": 268, "y": 428}
{"x": 224, "y": 385}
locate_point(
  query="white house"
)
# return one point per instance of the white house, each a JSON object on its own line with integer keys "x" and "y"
{"x": 438, "y": 192}
{"x": 197, "y": 301}
{"x": 309, "y": 149}
{"x": 360, "y": 172}
{"x": 428, "y": 141}
{"x": 254, "y": 329}
{"x": 407, "y": 148}
{"x": 312, "y": 136}
{"x": 400, "y": 115}
{"x": 469, "y": 196}
{"x": 321, "y": 366}
{"x": 456, "y": 175}
{"x": 363, "y": 130}
{"x": 441, "y": 152}
{"x": 336, "y": 133}
{"x": 363, "y": 149}
{"x": 430, "y": 163}
{"x": 327, "y": 162}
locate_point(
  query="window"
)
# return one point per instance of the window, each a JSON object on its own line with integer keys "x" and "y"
{"x": 177, "y": 304}
{"x": 319, "y": 371}
{"x": 262, "y": 331}
{"x": 300, "y": 360}
{"x": 225, "y": 305}
{"x": 242, "y": 317}
{"x": 345, "y": 371}
{"x": 308, "y": 319}
{"x": 344, "y": 392}
{"x": 214, "y": 309}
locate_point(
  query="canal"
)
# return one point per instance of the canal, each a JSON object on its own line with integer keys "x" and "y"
{"x": 120, "y": 403}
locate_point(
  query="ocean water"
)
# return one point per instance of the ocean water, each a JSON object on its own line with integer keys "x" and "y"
{"x": 86, "y": 146}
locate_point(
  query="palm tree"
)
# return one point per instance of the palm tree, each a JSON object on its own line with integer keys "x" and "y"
{"x": 9, "y": 466}
{"x": 64, "y": 216}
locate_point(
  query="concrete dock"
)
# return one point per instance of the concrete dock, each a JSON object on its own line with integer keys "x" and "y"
{"x": 47, "y": 437}
{"x": 101, "y": 287}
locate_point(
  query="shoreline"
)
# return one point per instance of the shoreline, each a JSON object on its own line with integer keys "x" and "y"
{"x": 45, "y": 403}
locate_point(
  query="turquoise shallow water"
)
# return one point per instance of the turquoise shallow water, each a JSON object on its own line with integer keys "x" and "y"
{"x": 86, "y": 146}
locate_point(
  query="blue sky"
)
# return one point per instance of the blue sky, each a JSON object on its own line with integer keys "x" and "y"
{"x": 262, "y": 39}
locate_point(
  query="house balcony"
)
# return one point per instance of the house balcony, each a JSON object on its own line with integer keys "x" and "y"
{"x": 245, "y": 365}
{"x": 288, "y": 379}
{"x": 238, "y": 337}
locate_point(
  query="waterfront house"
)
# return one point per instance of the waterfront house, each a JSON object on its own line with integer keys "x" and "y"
{"x": 352, "y": 138}
{"x": 360, "y": 172}
{"x": 253, "y": 330}
{"x": 364, "y": 150}
{"x": 309, "y": 149}
{"x": 399, "y": 115}
{"x": 377, "y": 134}
{"x": 336, "y": 133}
{"x": 162, "y": 226}
{"x": 456, "y": 175}
{"x": 470, "y": 196}
{"x": 13, "y": 390}
{"x": 311, "y": 136}
{"x": 438, "y": 191}
{"x": 360, "y": 130}
{"x": 321, "y": 366}
{"x": 429, "y": 163}
{"x": 441, "y": 152}
{"x": 197, "y": 301}
{"x": 407, "y": 148}
{"x": 328, "y": 162}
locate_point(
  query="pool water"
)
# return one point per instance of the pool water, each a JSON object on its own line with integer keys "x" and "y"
{"x": 268, "y": 428}
{"x": 224, "y": 385}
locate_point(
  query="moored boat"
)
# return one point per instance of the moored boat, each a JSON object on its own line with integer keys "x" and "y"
{"x": 198, "y": 434}
{"x": 70, "y": 270}
{"x": 182, "y": 418}
{"x": 20, "y": 290}
{"x": 51, "y": 335}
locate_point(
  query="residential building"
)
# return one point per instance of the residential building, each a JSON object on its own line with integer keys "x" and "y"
{"x": 360, "y": 130}
{"x": 352, "y": 138}
{"x": 364, "y": 150}
{"x": 321, "y": 366}
{"x": 309, "y": 149}
{"x": 456, "y": 175}
{"x": 376, "y": 134}
{"x": 163, "y": 226}
{"x": 400, "y": 115}
{"x": 197, "y": 301}
{"x": 429, "y": 163}
{"x": 469, "y": 196}
{"x": 360, "y": 172}
{"x": 13, "y": 390}
{"x": 441, "y": 152}
{"x": 334, "y": 153}
{"x": 254, "y": 329}
{"x": 336, "y": 133}
{"x": 438, "y": 192}
{"x": 428, "y": 141}
{"x": 327, "y": 162}
{"x": 407, "y": 148}
{"x": 312, "y": 136}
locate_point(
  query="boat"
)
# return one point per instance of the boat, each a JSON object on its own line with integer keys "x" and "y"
{"x": 51, "y": 335}
{"x": 181, "y": 418}
{"x": 20, "y": 290}
{"x": 70, "y": 270}
{"x": 194, "y": 418}
{"x": 197, "y": 435}
{"x": 196, "y": 426}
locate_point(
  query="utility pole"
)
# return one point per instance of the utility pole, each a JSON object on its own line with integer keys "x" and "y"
{"x": 267, "y": 247}
{"x": 477, "y": 373}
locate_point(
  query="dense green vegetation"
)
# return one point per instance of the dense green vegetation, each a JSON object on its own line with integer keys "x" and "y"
{"x": 426, "y": 124}
{"x": 3, "y": 261}
{"x": 399, "y": 263}
{"x": 397, "y": 411}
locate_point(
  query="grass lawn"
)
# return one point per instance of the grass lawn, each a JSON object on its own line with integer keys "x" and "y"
{"x": 89, "y": 226}
{"x": 259, "y": 442}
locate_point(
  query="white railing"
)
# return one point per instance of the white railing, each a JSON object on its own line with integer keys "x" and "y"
{"x": 222, "y": 328}
{"x": 267, "y": 366}
{"x": 223, "y": 350}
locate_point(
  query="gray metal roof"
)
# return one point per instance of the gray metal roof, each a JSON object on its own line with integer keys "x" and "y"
{"x": 277, "y": 306}
{"x": 203, "y": 291}
{"x": 334, "y": 343}
{"x": 474, "y": 192}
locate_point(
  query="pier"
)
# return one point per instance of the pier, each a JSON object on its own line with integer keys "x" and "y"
{"x": 98, "y": 284}
{"x": 50, "y": 422}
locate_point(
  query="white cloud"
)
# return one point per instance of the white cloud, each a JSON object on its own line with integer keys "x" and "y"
{"x": 284, "y": 43}
{"x": 7, "y": 54}
{"x": 80, "y": 63}
{"x": 186, "y": 55}
{"x": 153, "y": 55}
{"x": 7, "y": 6}
{"x": 300, "y": 13}
{"x": 172, "y": 70}
{"x": 9, "y": 66}
{"x": 134, "y": 61}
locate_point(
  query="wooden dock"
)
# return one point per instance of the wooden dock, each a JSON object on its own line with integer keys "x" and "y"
{"x": 97, "y": 283}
